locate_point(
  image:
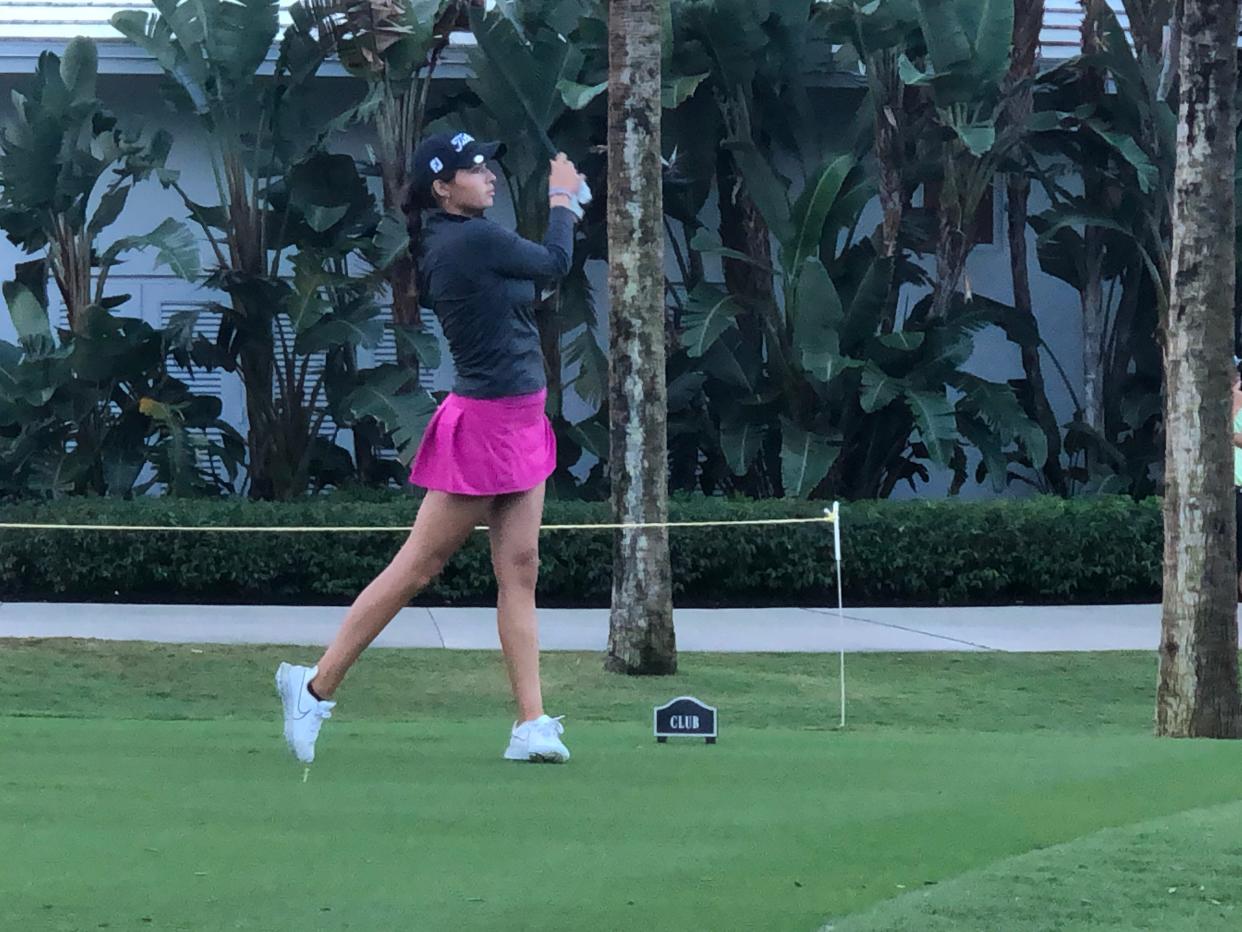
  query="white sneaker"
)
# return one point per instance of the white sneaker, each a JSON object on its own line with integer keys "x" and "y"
{"x": 304, "y": 714}
{"x": 538, "y": 741}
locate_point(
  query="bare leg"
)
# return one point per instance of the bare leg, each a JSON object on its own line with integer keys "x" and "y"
{"x": 444, "y": 522}
{"x": 514, "y": 524}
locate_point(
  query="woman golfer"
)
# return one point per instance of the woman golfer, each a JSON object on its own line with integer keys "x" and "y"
{"x": 489, "y": 447}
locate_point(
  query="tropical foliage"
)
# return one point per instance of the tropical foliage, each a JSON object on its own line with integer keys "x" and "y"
{"x": 826, "y": 167}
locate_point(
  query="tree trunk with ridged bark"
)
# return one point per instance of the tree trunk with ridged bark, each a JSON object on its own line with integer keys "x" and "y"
{"x": 1027, "y": 24}
{"x": 640, "y": 637}
{"x": 1094, "y": 312}
{"x": 1198, "y": 690}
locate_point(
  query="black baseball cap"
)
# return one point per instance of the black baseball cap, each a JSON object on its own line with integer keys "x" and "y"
{"x": 441, "y": 156}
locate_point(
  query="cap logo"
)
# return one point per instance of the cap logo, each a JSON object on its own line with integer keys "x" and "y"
{"x": 461, "y": 140}
{"x": 436, "y": 166}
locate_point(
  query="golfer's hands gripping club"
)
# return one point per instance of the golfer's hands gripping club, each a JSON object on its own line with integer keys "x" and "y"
{"x": 567, "y": 187}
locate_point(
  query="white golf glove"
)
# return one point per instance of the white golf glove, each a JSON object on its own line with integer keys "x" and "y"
{"x": 577, "y": 199}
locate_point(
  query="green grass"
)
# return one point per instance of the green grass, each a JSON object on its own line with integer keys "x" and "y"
{"x": 1109, "y": 693}
{"x": 146, "y": 786}
{"x": 1172, "y": 874}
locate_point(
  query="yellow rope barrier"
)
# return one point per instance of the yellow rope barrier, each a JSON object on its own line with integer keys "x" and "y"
{"x": 829, "y": 517}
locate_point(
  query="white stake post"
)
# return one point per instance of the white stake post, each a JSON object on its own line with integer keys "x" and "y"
{"x": 835, "y": 516}
{"x": 841, "y": 604}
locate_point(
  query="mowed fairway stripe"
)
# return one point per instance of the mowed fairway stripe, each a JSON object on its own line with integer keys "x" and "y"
{"x": 419, "y": 825}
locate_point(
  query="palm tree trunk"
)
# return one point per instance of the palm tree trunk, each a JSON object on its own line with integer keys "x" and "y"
{"x": 887, "y": 91}
{"x": 1092, "y": 297}
{"x": 1198, "y": 690}
{"x": 257, "y": 369}
{"x": 640, "y": 637}
{"x": 742, "y": 228}
{"x": 1028, "y": 21}
{"x": 955, "y": 242}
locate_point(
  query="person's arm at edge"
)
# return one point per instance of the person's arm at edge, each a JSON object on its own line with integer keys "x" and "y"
{"x": 514, "y": 257}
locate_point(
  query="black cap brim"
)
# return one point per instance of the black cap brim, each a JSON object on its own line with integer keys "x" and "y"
{"x": 490, "y": 150}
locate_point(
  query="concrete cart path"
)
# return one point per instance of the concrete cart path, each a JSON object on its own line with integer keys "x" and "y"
{"x": 1008, "y": 628}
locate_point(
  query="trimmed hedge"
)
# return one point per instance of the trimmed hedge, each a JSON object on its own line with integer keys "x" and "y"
{"x": 949, "y": 552}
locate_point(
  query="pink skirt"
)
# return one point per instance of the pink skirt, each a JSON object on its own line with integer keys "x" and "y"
{"x": 486, "y": 446}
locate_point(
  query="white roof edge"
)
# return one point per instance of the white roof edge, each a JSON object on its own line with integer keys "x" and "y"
{"x": 120, "y": 56}
{"x": 31, "y": 27}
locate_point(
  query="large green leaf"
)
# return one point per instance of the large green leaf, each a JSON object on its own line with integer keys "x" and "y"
{"x": 326, "y": 190}
{"x": 215, "y": 216}
{"x": 189, "y": 20}
{"x": 858, "y": 192}
{"x": 340, "y": 330}
{"x": 110, "y": 206}
{"x": 708, "y": 314}
{"x": 177, "y": 460}
{"x": 1129, "y": 149}
{"x": 993, "y": 39}
{"x": 818, "y": 315}
{"x": 122, "y": 457}
{"x": 420, "y": 343}
{"x": 969, "y": 44}
{"x": 812, "y": 208}
{"x": 79, "y": 69}
{"x": 577, "y": 96}
{"x": 742, "y": 434}
{"x": 734, "y": 361}
{"x": 27, "y": 312}
{"x": 867, "y": 305}
{"x": 153, "y": 34}
{"x": 991, "y": 449}
{"x": 1058, "y": 220}
{"x": 936, "y": 422}
{"x": 826, "y": 365}
{"x": 708, "y": 241}
{"x": 870, "y": 24}
{"x": 764, "y": 185}
{"x": 174, "y": 39}
{"x": 948, "y": 45}
{"x": 591, "y": 436}
{"x": 903, "y": 341}
{"x": 998, "y": 408}
{"x": 879, "y": 389}
{"x": 405, "y": 416}
{"x": 684, "y": 389}
{"x": 175, "y": 244}
{"x": 978, "y": 138}
{"x": 1118, "y": 56}
{"x": 1063, "y": 254}
{"x": 677, "y": 90}
{"x": 591, "y": 379}
{"x": 806, "y": 458}
{"x": 10, "y": 375}
{"x": 238, "y": 36}
{"x": 306, "y": 306}
{"x": 668, "y": 37}
{"x": 971, "y": 316}
{"x": 320, "y": 217}
{"x": 519, "y": 78}
{"x": 391, "y": 240}
{"x": 734, "y": 32}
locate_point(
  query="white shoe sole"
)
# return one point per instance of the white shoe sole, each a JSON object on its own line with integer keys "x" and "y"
{"x": 537, "y": 757}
